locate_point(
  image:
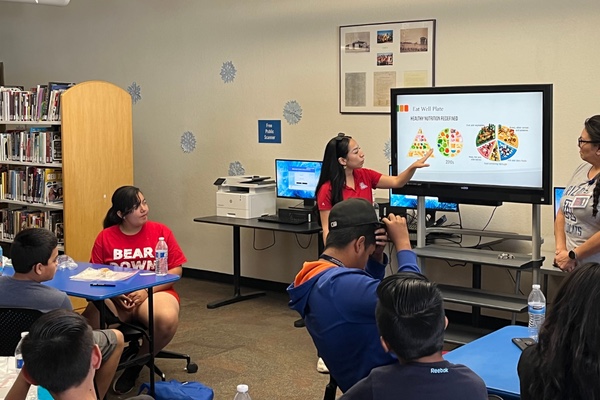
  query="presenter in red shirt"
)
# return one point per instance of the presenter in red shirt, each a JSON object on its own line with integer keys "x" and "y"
{"x": 343, "y": 176}
{"x": 128, "y": 240}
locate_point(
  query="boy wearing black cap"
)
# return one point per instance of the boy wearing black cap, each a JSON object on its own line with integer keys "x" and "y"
{"x": 337, "y": 294}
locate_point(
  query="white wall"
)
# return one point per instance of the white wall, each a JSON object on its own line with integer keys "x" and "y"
{"x": 287, "y": 50}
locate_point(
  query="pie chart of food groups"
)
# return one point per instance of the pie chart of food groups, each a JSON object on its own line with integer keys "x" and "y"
{"x": 497, "y": 143}
{"x": 449, "y": 142}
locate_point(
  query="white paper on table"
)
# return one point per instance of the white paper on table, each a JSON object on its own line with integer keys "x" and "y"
{"x": 103, "y": 274}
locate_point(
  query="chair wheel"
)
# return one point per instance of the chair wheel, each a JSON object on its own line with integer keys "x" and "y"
{"x": 192, "y": 368}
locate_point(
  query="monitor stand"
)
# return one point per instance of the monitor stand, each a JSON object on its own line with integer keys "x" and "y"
{"x": 308, "y": 205}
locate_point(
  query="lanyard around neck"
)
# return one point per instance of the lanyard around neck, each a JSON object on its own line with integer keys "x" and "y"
{"x": 332, "y": 260}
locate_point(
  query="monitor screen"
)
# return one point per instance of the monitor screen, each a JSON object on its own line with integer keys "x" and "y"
{"x": 490, "y": 143}
{"x": 297, "y": 179}
{"x": 558, "y": 192}
{"x": 410, "y": 201}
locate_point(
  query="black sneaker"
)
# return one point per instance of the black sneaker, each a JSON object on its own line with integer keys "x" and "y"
{"x": 126, "y": 382}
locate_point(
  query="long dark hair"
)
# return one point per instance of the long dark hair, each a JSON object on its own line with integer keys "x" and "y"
{"x": 567, "y": 365}
{"x": 592, "y": 127}
{"x": 125, "y": 199}
{"x": 332, "y": 170}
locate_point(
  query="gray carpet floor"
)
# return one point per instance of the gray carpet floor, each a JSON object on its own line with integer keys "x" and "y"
{"x": 252, "y": 342}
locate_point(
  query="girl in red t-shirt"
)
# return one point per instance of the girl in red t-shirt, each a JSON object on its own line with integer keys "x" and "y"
{"x": 128, "y": 240}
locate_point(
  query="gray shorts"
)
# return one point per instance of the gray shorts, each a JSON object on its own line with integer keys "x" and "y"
{"x": 106, "y": 340}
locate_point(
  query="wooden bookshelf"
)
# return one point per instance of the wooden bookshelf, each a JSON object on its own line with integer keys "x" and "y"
{"x": 97, "y": 158}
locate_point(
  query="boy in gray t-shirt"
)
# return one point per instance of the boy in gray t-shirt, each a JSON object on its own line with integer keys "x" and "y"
{"x": 34, "y": 254}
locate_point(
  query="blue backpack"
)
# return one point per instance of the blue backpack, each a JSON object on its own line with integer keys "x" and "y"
{"x": 173, "y": 389}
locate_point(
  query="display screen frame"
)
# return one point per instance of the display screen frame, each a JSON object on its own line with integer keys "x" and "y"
{"x": 468, "y": 192}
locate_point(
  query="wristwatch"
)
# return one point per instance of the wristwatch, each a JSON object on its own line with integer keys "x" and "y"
{"x": 572, "y": 255}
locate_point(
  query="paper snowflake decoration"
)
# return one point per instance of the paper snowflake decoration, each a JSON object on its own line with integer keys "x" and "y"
{"x": 228, "y": 72}
{"x": 135, "y": 91}
{"x": 236, "y": 168}
{"x": 387, "y": 150}
{"x": 292, "y": 112}
{"x": 188, "y": 142}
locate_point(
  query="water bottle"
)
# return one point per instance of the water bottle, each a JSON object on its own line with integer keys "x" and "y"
{"x": 242, "y": 393}
{"x": 537, "y": 311}
{"x": 18, "y": 353}
{"x": 161, "y": 256}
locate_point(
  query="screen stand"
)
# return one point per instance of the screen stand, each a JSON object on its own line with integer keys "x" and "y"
{"x": 307, "y": 204}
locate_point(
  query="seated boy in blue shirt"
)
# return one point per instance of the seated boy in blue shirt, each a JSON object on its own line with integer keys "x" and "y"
{"x": 34, "y": 254}
{"x": 411, "y": 322}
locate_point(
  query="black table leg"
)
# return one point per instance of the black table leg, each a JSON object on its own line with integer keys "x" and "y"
{"x": 476, "y": 311}
{"x": 151, "y": 338}
{"x": 237, "y": 296}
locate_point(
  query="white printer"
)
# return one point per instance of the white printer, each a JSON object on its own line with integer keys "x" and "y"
{"x": 245, "y": 196}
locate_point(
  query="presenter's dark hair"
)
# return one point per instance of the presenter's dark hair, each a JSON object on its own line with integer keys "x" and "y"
{"x": 30, "y": 247}
{"x": 331, "y": 169}
{"x": 592, "y": 127}
{"x": 125, "y": 199}
{"x": 567, "y": 365}
{"x": 410, "y": 315}
{"x": 58, "y": 349}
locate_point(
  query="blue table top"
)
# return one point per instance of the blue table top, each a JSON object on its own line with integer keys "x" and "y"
{"x": 83, "y": 289}
{"x": 494, "y": 358}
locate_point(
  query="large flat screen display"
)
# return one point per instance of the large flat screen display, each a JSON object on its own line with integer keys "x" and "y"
{"x": 490, "y": 143}
{"x": 297, "y": 179}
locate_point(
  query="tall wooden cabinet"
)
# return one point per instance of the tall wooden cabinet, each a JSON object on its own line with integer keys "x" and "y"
{"x": 97, "y": 145}
{"x": 97, "y": 158}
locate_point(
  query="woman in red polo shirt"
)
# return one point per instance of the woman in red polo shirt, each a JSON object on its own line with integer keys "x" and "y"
{"x": 343, "y": 176}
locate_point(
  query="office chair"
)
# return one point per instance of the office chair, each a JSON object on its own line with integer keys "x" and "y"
{"x": 133, "y": 333}
{"x": 13, "y": 321}
{"x": 330, "y": 389}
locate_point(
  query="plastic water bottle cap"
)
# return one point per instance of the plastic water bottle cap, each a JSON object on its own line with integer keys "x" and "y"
{"x": 23, "y": 334}
{"x": 535, "y": 286}
{"x": 161, "y": 238}
{"x": 242, "y": 388}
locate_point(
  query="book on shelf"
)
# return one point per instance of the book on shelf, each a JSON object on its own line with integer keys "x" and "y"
{"x": 51, "y": 108}
{"x": 53, "y": 183}
{"x": 56, "y": 147}
{"x": 56, "y": 225}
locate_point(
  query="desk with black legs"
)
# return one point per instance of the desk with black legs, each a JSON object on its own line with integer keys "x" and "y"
{"x": 253, "y": 223}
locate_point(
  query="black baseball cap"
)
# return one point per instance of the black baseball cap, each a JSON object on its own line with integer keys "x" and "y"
{"x": 352, "y": 212}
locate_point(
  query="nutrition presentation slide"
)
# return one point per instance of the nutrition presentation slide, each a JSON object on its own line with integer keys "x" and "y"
{"x": 477, "y": 138}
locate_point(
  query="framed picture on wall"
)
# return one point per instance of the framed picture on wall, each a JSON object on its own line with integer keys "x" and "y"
{"x": 377, "y": 57}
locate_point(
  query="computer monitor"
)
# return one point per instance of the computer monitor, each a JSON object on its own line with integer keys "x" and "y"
{"x": 410, "y": 201}
{"x": 297, "y": 179}
{"x": 432, "y": 204}
{"x": 558, "y": 192}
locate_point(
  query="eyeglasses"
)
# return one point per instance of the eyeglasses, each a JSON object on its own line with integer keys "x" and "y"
{"x": 580, "y": 141}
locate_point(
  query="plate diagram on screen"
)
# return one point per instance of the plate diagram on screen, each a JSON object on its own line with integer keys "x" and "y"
{"x": 450, "y": 142}
{"x": 497, "y": 144}
{"x": 420, "y": 146}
